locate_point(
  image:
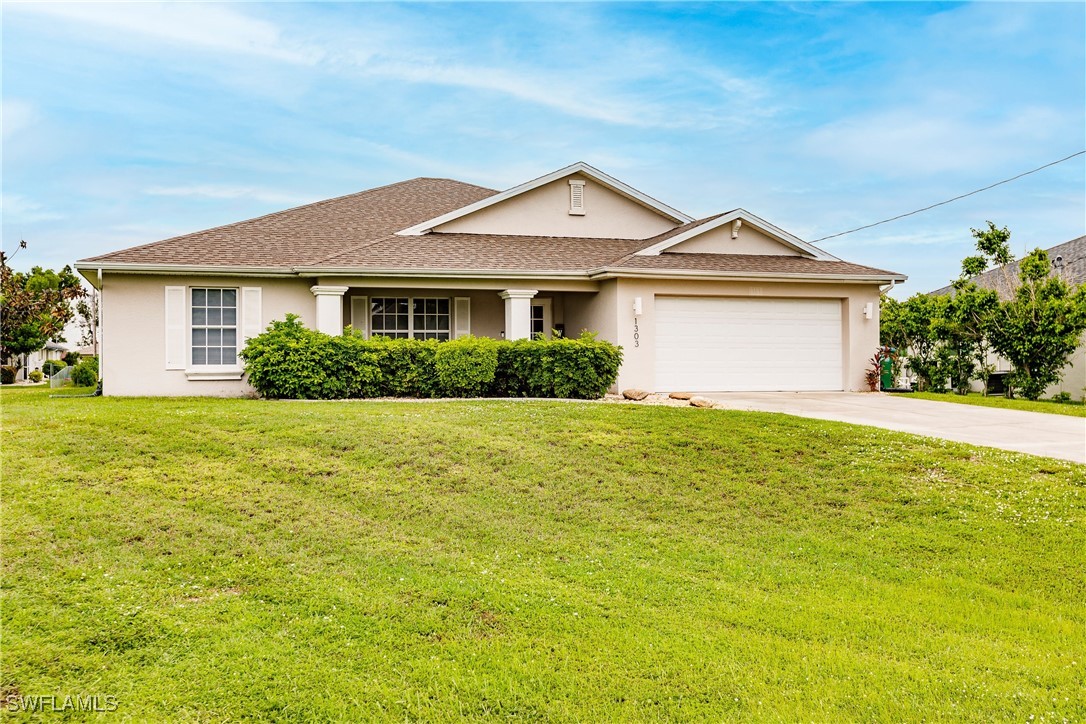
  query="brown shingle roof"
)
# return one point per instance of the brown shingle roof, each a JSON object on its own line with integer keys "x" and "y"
{"x": 357, "y": 232}
{"x": 309, "y": 233}
{"x": 484, "y": 252}
{"x": 753, "y": 263}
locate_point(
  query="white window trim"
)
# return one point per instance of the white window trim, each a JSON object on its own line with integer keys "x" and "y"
{"x": 213, "y": 372}
{"x": 411, "y": 318}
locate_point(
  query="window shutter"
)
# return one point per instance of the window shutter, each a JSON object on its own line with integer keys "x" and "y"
{"x": 462, "y": 321}
{"x": 360, "y": 315}
{"x": 251, "y": 308}
{"x": 176, "y": 344}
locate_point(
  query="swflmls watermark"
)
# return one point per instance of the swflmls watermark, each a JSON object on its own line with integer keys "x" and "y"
{"x": 54, "y": 703}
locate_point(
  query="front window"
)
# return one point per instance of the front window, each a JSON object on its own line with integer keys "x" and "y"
{"x": 214, "y": 326}
{"x": 406, "y": 317}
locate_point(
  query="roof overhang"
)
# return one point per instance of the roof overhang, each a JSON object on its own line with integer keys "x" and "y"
{"x": 759, "y": 223}
{"x": 577, "y": 168}
{"x": 91, "y": 269}
{"x": 620, "y": 272}
{"x": 442, "y": 273}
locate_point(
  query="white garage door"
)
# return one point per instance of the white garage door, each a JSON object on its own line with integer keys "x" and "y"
{"x": 715, "y": 344}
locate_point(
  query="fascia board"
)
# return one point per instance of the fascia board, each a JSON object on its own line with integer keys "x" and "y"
{"x": 442, "y": 273}
{"x": 90, "y": 266}
{"x": 619, "y": 272}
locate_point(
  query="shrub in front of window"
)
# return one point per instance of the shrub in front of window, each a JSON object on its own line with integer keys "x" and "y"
{"x": 466, "y": 366}
{"x": 51, "y": 366}
{"x": 85, "y": 374}
{"x": 36, "y": 376}
{"x": 291, "y": 361}
{"x": 294, "y": 362}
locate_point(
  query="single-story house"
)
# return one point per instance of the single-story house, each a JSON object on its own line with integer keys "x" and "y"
{"x": 727, "y": 302}
{"x": 1068, "y": 262}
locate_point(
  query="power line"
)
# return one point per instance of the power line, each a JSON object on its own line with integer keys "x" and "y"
{"x": 944, "y": 203}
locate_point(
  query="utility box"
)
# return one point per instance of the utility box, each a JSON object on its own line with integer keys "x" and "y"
{"x": 886, "y": 380}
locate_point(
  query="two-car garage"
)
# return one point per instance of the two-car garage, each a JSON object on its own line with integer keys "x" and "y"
{"x": 720, "y": 344}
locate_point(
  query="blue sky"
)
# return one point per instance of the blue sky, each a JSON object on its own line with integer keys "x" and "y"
{"x": 127, "y": 123}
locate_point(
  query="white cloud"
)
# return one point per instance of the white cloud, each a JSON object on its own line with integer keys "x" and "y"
{"x": 213, "y": 27}
{"x": 19, "y": 209}
{"x": 212, "y": 191}
{"x": 905, "y": 141}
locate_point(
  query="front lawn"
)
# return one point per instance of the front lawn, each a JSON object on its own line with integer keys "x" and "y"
{"x": 227, "y": 559}
{"x": 1074, "y": 409}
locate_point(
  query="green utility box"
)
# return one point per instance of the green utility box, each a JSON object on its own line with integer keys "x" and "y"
{"x": 887, "y": 376}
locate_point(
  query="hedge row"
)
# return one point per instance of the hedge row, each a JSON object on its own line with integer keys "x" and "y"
{"x": 291, "y": 361}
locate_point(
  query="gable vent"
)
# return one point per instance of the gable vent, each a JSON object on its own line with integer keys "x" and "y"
{"x": 576, "y": 197}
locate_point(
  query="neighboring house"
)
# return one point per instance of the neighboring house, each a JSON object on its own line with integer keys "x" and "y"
{"x": 33, "y": 361}
{"x": 729, "y": 302}
{"x": 1069, "y": 262}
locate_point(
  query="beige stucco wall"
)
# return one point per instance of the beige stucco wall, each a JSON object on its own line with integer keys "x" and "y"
{"x": 1074, "y": 375}
{"x": 133, "y": 313}
{"x": 133, "y": 320}
{"x": 860, "y": 337}
{"x": 720, "y": 241}
{"x": 545, "y": 212}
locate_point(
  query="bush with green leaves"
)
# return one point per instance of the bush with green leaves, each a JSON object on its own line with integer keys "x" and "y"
{"x": 85, "y": 374}
{"x": 465, "y": 367}
{"x": 51, "y": 366}
{"x": 36, "y": 376}
{"x": 291, "y": 361}
{"x": 7, "y": 375}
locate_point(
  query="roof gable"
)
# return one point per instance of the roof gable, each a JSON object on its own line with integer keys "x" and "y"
{"x": 758, "y": 244}
{"x": 580, "y": 170}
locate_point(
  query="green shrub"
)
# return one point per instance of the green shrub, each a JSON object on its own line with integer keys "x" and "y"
{"x": 7, "y": 375}
{"x": 85, "y": 374}
{"x": 71, "y": 358}
{"x": 291, "y": 361}
{"x": 408, "y": 366}
{"x": 51, "y": 366}
{"x": 466, "y": 366}
{"x": 36, "y": 376}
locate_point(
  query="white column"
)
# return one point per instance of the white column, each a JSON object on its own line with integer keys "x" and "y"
{"x": 329, "y": 308}
{"x": 518, "y": 312}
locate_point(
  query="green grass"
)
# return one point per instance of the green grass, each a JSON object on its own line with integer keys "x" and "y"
{"x": 1074, "y": 409}
{"x": 224, "y": 559}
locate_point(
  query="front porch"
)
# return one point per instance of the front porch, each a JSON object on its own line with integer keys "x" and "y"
{"x": 446, "y": 312}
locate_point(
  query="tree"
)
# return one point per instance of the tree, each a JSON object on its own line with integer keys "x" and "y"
{"x": 36, "y": 306}
{"x": 86, "y": 317}
{"x": 1040, "y": 327}
{"x": 911, "y": 326}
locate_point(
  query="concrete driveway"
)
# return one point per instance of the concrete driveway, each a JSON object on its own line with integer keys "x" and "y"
{"x": 1036, "y": 433}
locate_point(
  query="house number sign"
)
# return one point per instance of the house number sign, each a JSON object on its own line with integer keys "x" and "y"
{"x": 637, "y": 335}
